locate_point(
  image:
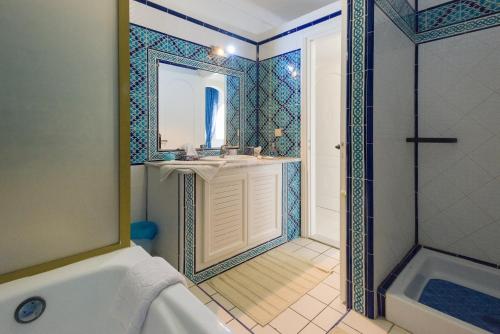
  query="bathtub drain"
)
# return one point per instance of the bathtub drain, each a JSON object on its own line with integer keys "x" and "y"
{"x": 29, "y": 310}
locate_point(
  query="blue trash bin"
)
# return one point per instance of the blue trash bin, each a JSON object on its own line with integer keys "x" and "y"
{"x": 143, "y": 233}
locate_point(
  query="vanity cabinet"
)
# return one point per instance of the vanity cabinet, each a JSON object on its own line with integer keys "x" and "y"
{"x": 241, "y": 208}
{"x": 206, "y": 227}
{"x": 224, "y": 229}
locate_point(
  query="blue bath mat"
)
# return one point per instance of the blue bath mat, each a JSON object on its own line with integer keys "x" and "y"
{"x": 463, "y": 303}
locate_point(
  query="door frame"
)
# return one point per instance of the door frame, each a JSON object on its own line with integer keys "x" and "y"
{"x": 306, "y": 142}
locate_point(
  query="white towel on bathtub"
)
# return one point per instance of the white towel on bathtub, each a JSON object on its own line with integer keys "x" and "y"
{"x": 141, "y": 285}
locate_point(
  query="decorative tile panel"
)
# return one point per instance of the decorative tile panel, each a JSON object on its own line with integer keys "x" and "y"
{"x": 401, "y": 13}
{"x": 279, "y": 99}
{"x": 454, "y": 12}
{"x": 140, "y": 42}
{"x": 361, "y": 296}
{"x": 489, "y": 21}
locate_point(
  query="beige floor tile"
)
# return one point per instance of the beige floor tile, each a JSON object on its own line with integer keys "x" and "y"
{"x": 365, "y": 325}
{"x": 308, "y": 307}
{"x": 327, "y": 318}
{"x": 333, "y": 280}
{"x": 306, "y": 253}
{"x": 222, "y": 314}
{"x": 290, "y": 247}
{"x": 207, "y": 288}
{"x": 318, "y": 247}
{"x": 302, "y": 241}
{"x": 338, "y": 305}
{"x": 289, "y": 322}
{"x": 333, "y": 252}
{"x": 325, "y": 262}
{"x": 324, "y": 293}
{"x": 264, "y": 330}
{"x": 343, "y": 329}
{"x": 237, "y": 328}
{"x": 398, "y": 330}
{"x": 312, "y": 329}
{"x": 202, "y": 296}
{"x": 189, "y": 283}
{"x": 223, "y": 301}
{"x": 245, "y": 319}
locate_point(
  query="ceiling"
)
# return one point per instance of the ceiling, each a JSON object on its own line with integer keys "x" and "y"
{"x": 250, "y": 18}
{"x": 285, "y": 10}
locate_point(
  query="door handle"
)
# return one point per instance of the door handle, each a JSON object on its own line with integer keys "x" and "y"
{"x": 337, "y": 146}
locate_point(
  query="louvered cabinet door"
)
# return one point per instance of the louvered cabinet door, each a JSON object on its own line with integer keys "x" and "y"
{"x": 264, "y": 204}
{"x": 225, "y": 217}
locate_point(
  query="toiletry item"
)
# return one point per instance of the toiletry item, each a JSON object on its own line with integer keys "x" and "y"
{"x": 273, "y": 151}
{"x": 191, "y": 153}
{"x": 257, "y": 151}
{"x": 169, "y": 156}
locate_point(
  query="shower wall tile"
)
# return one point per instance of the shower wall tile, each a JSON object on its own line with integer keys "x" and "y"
{"x": 393, "y": 113}
{"x": 459, "y": 95}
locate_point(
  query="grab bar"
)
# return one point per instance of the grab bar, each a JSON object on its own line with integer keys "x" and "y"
{"x": 431, "y": 140}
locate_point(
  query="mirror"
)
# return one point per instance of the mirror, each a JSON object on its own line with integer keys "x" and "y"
{"x": 194, "y": 106}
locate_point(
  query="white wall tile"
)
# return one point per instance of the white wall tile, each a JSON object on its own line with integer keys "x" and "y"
{"x": 459, "y": 189}
{"x": 394, "y": 220}
{"x": 157, "y": 20}
{"x": 138, "y": 188}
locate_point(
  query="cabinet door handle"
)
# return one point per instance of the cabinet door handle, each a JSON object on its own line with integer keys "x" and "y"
{"x": 337, "y": 146}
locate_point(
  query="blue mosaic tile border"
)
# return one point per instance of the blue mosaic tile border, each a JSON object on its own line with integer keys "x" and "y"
{"x": 290, "y": 225}
{"x": 279, "y": 103}
{"x": 360, "y": 290}
{"x": 485, "y": 22}
{"x": 143, "y": 39}
{"x": 454, "y": 12}
{"x": 195, "y": 21}
{"x": 401, "y": 13}
{"x": 302, "y": 27}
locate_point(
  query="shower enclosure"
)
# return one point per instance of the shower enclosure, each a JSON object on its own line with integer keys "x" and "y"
{"x": 436, "y": 165}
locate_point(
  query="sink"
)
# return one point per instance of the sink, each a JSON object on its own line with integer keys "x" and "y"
{"x": 230, "y": 158}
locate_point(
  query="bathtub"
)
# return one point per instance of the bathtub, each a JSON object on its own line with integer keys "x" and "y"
{"x": 402, "y": 298}
{"x": 78, "y": 298}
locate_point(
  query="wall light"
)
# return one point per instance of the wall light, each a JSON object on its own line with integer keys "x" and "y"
{"x": 216, "y": 51}
{"x": 230, "y": 49}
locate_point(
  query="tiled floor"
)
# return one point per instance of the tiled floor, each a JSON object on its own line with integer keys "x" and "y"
{"x": 320, "y": 311}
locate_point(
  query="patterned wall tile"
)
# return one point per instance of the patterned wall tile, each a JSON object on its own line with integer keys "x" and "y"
{"x": 140, "y": 41}
{"x": 279, "y": 100}
{"x": 293, "y": 180}
{"x": 401, "y": 13}
{"x": 454, "y": 16}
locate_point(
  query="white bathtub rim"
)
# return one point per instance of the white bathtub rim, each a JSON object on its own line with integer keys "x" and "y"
{"x": 400, "y": 306}
{"x": 116, "y": 261}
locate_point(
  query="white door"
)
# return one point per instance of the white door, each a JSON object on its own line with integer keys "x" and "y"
{"x": 324, "y": 138}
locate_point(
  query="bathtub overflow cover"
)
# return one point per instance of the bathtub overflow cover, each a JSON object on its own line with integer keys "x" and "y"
{"x": 29, "y": 310}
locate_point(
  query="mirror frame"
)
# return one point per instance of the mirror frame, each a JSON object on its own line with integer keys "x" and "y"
{"x": 156, "y": 57}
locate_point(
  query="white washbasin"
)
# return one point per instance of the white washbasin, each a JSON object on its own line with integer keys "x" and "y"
{"x": 230, "y": 158}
